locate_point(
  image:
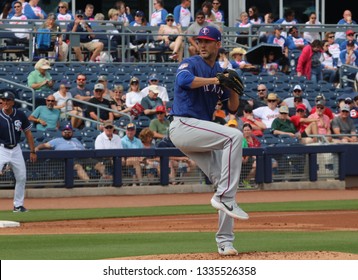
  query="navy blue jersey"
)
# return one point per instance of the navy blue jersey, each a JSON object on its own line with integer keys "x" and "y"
{"x": 200, "y": 102}
{"x": 12, "y": 125}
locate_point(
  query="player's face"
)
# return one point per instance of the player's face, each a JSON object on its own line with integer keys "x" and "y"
{"x": 208, "y": 49}
{"x": 7, "y": 104}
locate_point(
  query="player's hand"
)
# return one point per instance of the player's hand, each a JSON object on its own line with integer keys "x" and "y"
{"x": 33, "y": 157}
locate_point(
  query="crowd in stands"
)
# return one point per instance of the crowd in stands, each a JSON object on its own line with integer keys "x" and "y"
{"x": 295, "y": 113}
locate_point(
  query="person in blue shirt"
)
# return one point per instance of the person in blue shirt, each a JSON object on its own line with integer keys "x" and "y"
{"x": 130, "y": 141}
{"x": 33, "y": 11}
{"x": 349, "y": 55}
{"x": 66, "y": 142}
{"x": 216, "y": 149}
{"x": 46, "y": 116}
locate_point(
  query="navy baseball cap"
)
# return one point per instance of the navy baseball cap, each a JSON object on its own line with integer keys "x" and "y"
{"x": 139, "y": 14}
{"x": 67, "y": 127}
{"x": 8, "y": 95}
{"x": 209, "y": 33}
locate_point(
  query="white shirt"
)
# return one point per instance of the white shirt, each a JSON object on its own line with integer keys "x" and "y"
{"x": 133, "y": 97}
{"x": 266, "y": 115}
{"x": 19, "y": 20}
{"x": 103, "y": 142}
{"x": 61, "y": 100}
{"x": 163, "y": 93}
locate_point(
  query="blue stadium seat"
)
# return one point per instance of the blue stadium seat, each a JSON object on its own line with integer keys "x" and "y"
{"x": 143, "y": 121}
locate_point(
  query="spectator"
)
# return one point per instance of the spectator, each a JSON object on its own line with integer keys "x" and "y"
{"x": 294, "y": 40}
{"x": 134, "y": 95}
{"x": 139, "y": 19}
{"x": 159, "y": 14}
{"x": 261, "y": 99}
{"x": 193, "y": 31}
{"x": 40, "y": 79}
{"x": 33, "y": 11}
{"x": 182, "y": 14}
{"x": 349, "y": 55}
{"x": 354, "y": 110}
{"x": 118, "y": 102}
{"x": 282, "y": 125}
{"x": 323, "y": 123}
{"x": 170, "y": 35}
{"x": 219, "y": 14}
{"x": 333, "y": 48}
{"x": 327, "y": 111}
{"x": 278, "y": 39}
{"x": 311, "y": 36}
{"x": 115, "y": 39}
{"x": 98, "y": 99}
{"x": 88, "y": 14}
{"x": 264, "y": 35}
{"x": 297, "y": 92}
{"x": 83, "y": 93}
{"x": 151, "y": 101}
{"x": 56, "y": 37}
{"x": 343, "y": 124}
{"x": 349, "y": 37}
{"x": 86, "y": 37}
{"x": 12, "y": 11}
{"x": 346, "y": 20}
{"x": 64, "y": 15}
{"x": 67, "y": 143}
{"x": 151, "y": 164}
{"x": 329, "y": 64}
{"x": 270, "y": 64}
{"x": 46, "y": 116}
{"x": 21, "y": 35}
{"x": 62, "y": 102}
{"x": 268, "y": 113}
{"x": 243, "y": 22}
{"x": 124, "y": 16}
{"x": 254, "y": 15}
{"x": 219, "y": 114}
{"x": 154, "y": 80}
{"x": 257, "y": 126}
{"x": 238, "y": 63}
{"x": 223, "y": 60}
{"x": 129, "y": 141}
{"x": 305, "y": 126}
{"x": 249, "y": 162}
{"x": 309, "y": 62}
{"x": 160, "y": 124}
{"x": 6, "y": 10}
{"x": 107, "y": 93}
{"x": 287, "y": 20}
{"x": 207, "y": 7}
{"x": 105, "y": 141}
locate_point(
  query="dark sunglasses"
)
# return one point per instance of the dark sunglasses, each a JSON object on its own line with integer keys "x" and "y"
{"x": 108, "y": 127}
{"x": 259, "y": 90}
{"x": 348, "y": 102}
{"x": 98, "y": 90}
{"x": 170, "y": 19}
{"x": 320, "y": 107}
{"x": 271, "y": 101}
{"x": 49, "y": 100}
{"x": 300, "y": 110}
{"x": 297, "y": 90}
{"x": 61, "y": 7}
{"x": 134, "y": 83}
{"x": 330, "y": 37}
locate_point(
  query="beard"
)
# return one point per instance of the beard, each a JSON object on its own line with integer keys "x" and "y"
{"x": 67, "y": 136}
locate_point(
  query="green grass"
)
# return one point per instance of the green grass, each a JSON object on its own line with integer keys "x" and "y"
{"x": 75, "y": 214}
{"x": 101, "y": 246}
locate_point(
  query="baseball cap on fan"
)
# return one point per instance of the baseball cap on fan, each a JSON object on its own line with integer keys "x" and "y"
{"x": 209, "y": 33}
{"x": 67, "y": 127}
{"x": 8, "y": 95}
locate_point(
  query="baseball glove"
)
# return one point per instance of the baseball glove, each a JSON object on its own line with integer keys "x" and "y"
{"x": 231, "y": 80}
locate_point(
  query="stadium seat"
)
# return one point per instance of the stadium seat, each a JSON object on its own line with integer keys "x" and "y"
{"x": 143, "y": 121}
{"x": 270, "y": 140}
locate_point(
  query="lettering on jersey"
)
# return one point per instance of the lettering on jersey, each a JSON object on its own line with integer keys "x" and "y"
{"x": 184, "y": 65}
{"x": 213, "y": 89}
{"x": 18, "y": 124}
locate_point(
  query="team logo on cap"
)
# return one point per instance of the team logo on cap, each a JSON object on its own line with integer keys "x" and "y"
{"x": 205, "y": 31}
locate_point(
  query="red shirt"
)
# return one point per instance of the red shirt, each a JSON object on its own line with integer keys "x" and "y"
{"x": 256, "y": 132}
{"x": 299, "y": 126}
{"x": 254, "y": 144}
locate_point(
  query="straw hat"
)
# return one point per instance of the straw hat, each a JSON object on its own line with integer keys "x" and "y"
{"x": 237, "y": 51}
